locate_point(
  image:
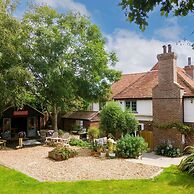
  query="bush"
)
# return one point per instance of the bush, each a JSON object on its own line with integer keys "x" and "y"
{"x": 131, "y": 122}
{"x": 112, "y": 118}
{"x": 187, "y": 164}
{"x": 79, "y": 143}
{"x": 131, "y": 147}
{"x": 93, "y": 132}
{"x": 168, "y": 150}
{"x": 60, "y": 132}
{"x": 62, "y": 153}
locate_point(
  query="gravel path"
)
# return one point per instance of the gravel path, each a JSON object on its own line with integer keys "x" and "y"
{"x": 35, "y": 163}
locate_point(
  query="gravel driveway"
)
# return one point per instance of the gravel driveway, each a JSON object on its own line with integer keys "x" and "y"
{"x": 34, "y": 162}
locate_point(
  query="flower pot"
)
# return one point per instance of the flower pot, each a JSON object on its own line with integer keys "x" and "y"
{"x": 102, "y": 154}
{"x": 112, "y": 155}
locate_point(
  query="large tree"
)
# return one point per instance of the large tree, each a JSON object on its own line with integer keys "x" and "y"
{"x": 67, "y": 57}
{"x": 137, "y": 10}
{"x": 14, "y": 77}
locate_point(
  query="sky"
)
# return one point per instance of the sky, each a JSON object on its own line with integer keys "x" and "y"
{"x": 136, "y": 50}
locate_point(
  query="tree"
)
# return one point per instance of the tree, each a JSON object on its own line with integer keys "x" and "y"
{"x": 137, "y": 10}
{"x": 14, "y": 77}
{"x": 131, "y": 122}
{"x": 66, "y": 55}
{"x": 112, "y": 118}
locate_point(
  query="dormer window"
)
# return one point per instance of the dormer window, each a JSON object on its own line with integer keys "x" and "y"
{"x": 131, "y": 104}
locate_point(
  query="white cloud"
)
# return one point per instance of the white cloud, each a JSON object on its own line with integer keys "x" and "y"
{"x": 67, "y": 5}
{"x": 171, "y": 31}
{"x": 138, "y": 54}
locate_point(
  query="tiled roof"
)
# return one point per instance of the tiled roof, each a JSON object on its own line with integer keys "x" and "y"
{"x": 140, "y": 85}
{"x": 82, "y": 115}
{"x": 125, "y": 81}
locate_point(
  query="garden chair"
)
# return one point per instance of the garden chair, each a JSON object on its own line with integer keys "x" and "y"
{"x": 53, "y": 137}
{"x": 65, "y": 138}
{"x": 2, "y": 143}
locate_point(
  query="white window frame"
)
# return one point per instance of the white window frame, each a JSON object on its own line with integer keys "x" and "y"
{"x": 131, "y": 105}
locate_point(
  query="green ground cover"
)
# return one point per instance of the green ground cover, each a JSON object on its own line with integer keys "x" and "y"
{"x": 170, "y": 181}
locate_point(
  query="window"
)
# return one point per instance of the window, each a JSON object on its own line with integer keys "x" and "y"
{"x": 131, "y": 105}
{"x": 141, "y": 126}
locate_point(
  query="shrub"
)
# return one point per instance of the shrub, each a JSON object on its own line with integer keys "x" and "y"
{"x": 62, "y": 153}
{"x": 131, "y": 147}
{"x": 130, "y": 121}
{"x": 187, "y": 164}
{"x": 168, "y": 150}
{"x": 112, "y": 118}
{"x": 60, "y": 132}
{"x": 93, "y": 132}
{"x": 78, "y": 142}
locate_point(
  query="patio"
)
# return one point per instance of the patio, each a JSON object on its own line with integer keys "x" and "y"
{"x": 34, "y": 162}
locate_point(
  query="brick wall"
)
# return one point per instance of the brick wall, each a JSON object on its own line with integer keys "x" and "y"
{"x": 167, "y": 99}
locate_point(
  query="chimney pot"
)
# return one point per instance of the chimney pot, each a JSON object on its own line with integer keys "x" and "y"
{"x": 189, "y": 61}
{"x": 169, "y": 48}
{"x": 164, "y": 49}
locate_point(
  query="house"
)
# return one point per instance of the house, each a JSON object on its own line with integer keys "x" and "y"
{"x": 27, "y": 119}
{"x": 163, "y": 95}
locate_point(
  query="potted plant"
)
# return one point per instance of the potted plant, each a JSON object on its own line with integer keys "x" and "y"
{"x": 21, "y": 135}
{"x": 111, "y": 148}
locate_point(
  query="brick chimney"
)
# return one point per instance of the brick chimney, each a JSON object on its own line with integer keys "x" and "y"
{"x": 167, "y": 67}
{"x": 167, "y": 97}
{"x": 189, "y": 69}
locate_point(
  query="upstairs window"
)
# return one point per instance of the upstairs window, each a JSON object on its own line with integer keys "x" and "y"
{"x": 131, "y": 105}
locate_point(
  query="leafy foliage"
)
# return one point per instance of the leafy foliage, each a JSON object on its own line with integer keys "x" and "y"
{"x": 187, "y": 164}
{"x": 182, "y": 128}
{"x": 79, "y": 143}
{"x": 67, "y": 57}
{"x": 113, "y": 119}
{"x": 93, "y": 132}
{"x": 130, "y": 121}
{"x": 168, "y": 150}
{"x": 15, "y": 79}
{"x": 131, "y": 147}
{"x": 62, "y": 153}
{"x": 137, "y": 11}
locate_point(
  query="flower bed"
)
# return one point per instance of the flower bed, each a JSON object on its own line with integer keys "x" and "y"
{"x": 62, "y": 153}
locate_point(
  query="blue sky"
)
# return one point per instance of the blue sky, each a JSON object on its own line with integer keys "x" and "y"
{"x": 136, "y": 50}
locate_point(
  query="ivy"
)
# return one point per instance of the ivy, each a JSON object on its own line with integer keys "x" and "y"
{"x": 182, "y": 128}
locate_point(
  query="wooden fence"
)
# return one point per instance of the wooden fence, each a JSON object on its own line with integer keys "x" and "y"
{"x": 148, "y": 136}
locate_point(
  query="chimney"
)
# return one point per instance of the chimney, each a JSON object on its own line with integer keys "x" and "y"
{"x": 189, "y": 61}
{"x": 167, "y": 72}
{"x": 189, "y": 69}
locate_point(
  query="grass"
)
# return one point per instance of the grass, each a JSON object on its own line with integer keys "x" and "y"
{"x": 170, "y": 181}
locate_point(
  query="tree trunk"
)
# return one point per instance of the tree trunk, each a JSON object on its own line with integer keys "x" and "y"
{"x": 54, "y": 118}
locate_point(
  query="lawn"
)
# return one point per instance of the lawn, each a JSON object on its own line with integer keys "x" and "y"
{"x": 170, "y": 181}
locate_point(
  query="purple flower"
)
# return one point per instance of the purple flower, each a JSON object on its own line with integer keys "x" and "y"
{"x": 22, "y": 134}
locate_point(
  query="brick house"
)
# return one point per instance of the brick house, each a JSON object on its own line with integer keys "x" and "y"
{"x": 164, "y": 94}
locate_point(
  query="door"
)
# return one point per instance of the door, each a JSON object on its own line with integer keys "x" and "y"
{"x": 31, "y": 131}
